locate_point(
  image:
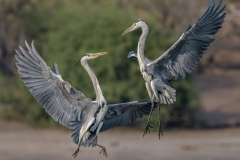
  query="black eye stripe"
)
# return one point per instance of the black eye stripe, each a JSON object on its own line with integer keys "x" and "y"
{"x": 138, "y": 20}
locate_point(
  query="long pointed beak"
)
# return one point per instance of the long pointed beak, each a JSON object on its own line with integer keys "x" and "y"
{"x": 100, "y": 54}
{"x": 95, "y": 55}
{"x": 130, "y": 29}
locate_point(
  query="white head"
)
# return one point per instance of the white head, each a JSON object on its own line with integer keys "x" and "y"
{"x": 139, "y": 23}
{"x": 90, "y": 56}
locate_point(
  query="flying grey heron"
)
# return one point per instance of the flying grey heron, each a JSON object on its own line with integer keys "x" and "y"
{"x": 179, "y": 59}
{"x": 68, "y": 106}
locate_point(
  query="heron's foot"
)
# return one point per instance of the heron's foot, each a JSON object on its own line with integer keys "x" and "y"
{"x": 75, "y": 153}
{"x": 103, "y": 150}
{"x": 147, "y": 129}
{"x": 160, "y": 132}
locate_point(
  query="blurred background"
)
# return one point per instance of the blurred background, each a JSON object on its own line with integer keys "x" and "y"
{"x": 202, "y": 124}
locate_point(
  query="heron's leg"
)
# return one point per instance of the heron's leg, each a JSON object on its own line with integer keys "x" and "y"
{"x": 154, "y": 86}
{"x": 76, "y": 152}
{"x": 160, "y": 132}
{"x": 103, "y": 149}
{"x": 148, "y": 126}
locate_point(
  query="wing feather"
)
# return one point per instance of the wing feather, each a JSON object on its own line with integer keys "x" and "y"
{"x": 124, "y": 113}
{"x": 185, "y": 54}
{"x": 49, "y": 89}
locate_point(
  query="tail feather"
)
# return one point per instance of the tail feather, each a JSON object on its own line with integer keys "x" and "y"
{"x": 75, "y": 128}
{"x": 170, "y": 89}
{"x": 168, "y": 95}
{"x": 92, "y": 141}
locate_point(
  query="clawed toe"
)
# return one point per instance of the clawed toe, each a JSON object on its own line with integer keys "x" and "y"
{"x": 103, "y": 150}
{"x": 147, "y": 129}
{"x": 75, "y": 153}
{"x": 160, "y": 132}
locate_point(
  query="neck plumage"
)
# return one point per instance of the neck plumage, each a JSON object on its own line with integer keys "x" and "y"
{"x": 141, "y": 44}
{"x": 99, "y": 95}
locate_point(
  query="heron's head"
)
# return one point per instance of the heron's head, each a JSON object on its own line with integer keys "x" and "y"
{"x": 136, "y": 25}
{"x": 90, "y": 56}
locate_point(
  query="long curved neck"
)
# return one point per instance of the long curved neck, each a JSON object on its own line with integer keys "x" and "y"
{"x": 99, "y": 95}
{"x": 141, "y": 43}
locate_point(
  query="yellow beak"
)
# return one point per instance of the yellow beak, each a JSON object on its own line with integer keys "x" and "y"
{"x": 101, "y": 54}
{"x": 130, "y": 29}
{"x": 95, "y": 55}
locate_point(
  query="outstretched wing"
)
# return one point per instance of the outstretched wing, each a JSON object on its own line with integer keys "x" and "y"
{"x": 60, "y": 100}
{"x": 184, "y": 55}
{"x": 124, "y": 113}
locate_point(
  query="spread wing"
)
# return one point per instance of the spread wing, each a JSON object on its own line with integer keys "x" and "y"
{"x": 184, "y": 55}
{"x": 124, "y": 113}
{"x": 59, "y": 99}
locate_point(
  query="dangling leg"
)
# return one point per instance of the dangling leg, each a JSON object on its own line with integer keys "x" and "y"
{"x": 160, "y": 132}
{"x": 103, "y": 149}
{"x": 154, "y": 86}
{"x": 76, "y": 152}
{"x": 148, "y": 126}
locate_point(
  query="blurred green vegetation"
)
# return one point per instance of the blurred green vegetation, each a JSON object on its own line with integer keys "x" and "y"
{"x": 64, "y": 30}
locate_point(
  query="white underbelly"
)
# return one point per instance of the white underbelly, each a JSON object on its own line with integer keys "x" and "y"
{"x": 145, "y": 75}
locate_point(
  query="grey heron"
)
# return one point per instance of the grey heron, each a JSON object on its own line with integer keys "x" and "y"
{"x": 68, "y": 106}
{"x": 179, "y": 59}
